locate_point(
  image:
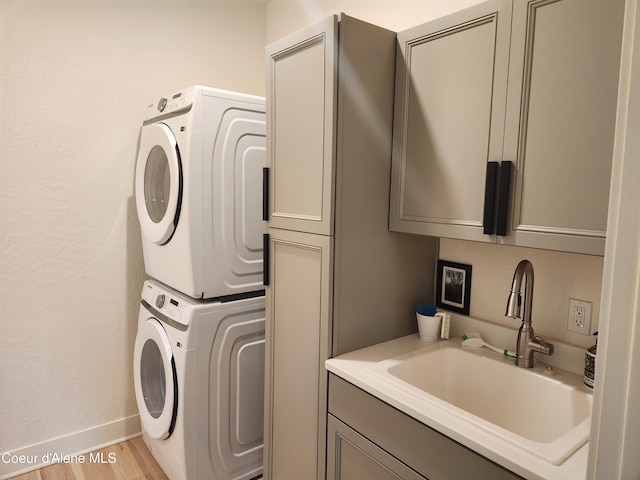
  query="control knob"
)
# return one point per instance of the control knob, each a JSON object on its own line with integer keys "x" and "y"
{"x": 160, "y": 300}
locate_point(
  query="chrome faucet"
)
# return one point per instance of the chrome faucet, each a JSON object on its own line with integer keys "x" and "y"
{"x": 528, "y": 342}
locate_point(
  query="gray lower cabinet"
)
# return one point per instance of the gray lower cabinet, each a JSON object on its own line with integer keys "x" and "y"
{"x": 296, "y": 345}
{"x": 368, "y": 438}
{"x": 351, "y": 456}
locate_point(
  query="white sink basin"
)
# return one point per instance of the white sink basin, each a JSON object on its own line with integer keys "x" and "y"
{"x": 545, "y": 412}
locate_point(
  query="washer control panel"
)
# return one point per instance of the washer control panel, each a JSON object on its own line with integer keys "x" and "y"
{"x": 167, "y": 303}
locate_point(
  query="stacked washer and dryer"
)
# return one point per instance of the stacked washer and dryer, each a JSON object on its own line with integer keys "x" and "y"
{"x": 199, "y": 349}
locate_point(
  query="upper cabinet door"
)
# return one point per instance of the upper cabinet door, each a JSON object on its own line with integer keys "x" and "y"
{"x": 301, "y": 100}
{"x": 529, "y": 83}
{"x": 561, "y": 110}
{"x": 451, "y": 77}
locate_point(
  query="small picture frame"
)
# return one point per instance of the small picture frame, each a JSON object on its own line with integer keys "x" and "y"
{"x": 453, "y": 287}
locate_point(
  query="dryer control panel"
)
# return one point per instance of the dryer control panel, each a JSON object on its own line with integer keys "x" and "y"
{"x": 179, "y": 102}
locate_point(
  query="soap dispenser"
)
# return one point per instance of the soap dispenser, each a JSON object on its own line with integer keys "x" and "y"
{"x": 590, "y": 364}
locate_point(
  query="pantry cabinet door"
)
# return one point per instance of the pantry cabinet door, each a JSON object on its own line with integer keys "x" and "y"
{"x": 301, "y": 100}
{"x": 561, "y": 110}
{"x": 451, "y": 86}
{"x": 297, "y": 336}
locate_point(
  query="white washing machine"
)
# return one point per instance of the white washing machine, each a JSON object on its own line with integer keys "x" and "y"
{"x": 198, "y": 189}
{"x": 199, "y": 381}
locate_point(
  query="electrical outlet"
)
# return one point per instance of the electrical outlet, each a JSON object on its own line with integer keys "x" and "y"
{"x": 579, "y": 316}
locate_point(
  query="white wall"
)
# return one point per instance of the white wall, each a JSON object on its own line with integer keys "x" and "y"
{"x": 75, "y": 79}
{"x": 558, "y": 277}
{"x": 615, "y": 427}
{"x": 287, "y": 16}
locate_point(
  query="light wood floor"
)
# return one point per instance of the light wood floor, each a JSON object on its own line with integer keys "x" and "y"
{"x": 131, "y": 461}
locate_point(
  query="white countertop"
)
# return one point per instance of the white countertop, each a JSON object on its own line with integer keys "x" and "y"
{"x": 354, "y": 367}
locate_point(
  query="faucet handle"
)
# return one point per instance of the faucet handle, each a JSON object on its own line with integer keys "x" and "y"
{"x": 541, "y": 346}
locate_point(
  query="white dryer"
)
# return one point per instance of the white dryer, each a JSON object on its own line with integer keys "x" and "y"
{"x": 199, "y": 379}
{"x": 198, "y": 188}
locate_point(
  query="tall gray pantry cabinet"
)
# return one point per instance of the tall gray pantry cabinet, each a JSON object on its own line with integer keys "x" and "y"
{"x": 337, "y": 279}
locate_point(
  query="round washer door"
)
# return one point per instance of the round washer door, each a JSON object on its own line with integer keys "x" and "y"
{"x": 155, "y": 379}
{"x": 158, "y": 183}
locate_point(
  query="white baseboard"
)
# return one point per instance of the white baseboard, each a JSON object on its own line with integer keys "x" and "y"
{"x": 39, "y": 455}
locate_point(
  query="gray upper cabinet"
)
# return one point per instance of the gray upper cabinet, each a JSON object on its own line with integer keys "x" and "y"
{"x": 301, "y": 101}
{"x": 504, "y": 123}
{"x": 451, "y": 78}
{"x": 560, "y": 121}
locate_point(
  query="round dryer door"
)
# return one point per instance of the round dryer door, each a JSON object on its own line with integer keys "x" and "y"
{"x": 158, "y": 183}
{"x": 155, "y": 379}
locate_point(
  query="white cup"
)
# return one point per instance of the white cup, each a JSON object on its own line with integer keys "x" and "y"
{"x": 428, "y": 327}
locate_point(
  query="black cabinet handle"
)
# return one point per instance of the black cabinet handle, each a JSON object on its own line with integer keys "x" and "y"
{"x": 488, "y": 215}
{"x": 265, "y": 259}
{"x": 503, "y": 197}
{"x": 265, "y": 193}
